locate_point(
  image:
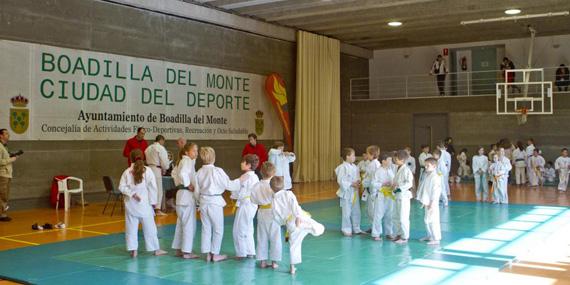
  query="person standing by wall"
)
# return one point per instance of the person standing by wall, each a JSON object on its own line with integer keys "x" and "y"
{"x": 6, "y": 161}
{"x": 157, "y": 160}
{"x": 562, "y": 78}
{"x": 253, "y": 147}
{"x": 439, "y": 69}
{"x": 136, "y": 142}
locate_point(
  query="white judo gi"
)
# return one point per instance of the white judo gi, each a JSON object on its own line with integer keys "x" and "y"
{"x": 185, "y": 231}
{"x": 536, "y": 164}
{"x": 243, "y": 230}
{"x": 157, "y": 160}
{"x": 281, "y": 160}
{"x": 422, "y": 161}
{"x": 463, "y": 169}
{"x": 403, "y": 181}
{"x": 268, "y": 230}
{"x": 382, "y": 223}
{"x": 520, "y": 159}
{"x": 562, "y": 164}
{"x": 139, "y": 211}
{"x": 286, "y": 210}
{"x": 373, "y": 165}
{"x": 411, "y": 164}
{"x": 447, "y": 160}
{"x": 441, "y": 170}
{"x": 428, "y": 194}
{"x": 209, "y": 184}
{"x": 500, "y": 172}
{"x": 480, "y": 169}
{"x": 346, "y": 175}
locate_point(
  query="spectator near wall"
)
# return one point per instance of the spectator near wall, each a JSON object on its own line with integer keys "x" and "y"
{"x": 562, "y": 78}
{"x": 439, "y": 69}
{"x": 253, "y": 147}
{"x": 136, "y": 142}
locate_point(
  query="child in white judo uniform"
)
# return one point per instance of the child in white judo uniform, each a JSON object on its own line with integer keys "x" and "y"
{"x": 480, "y": 169}
{"x": 500, "y": 171}
{"x": 536, "y": 163}
{"x": 441, "y": 169}
{"x": 445, "y": 158}
{"x": 281, "y": 159}
{"x": 183, "y": 174}
{"x": 549, "y": 173}
{"x": 411, "y": 161}
{"x": 529, "y": 153}
{"x": 299, "y": 223}
{"x": 384, "y": 201}
{"x": 562, "y": 165}
{"x": 268, "y": 231}
{"x": 243, "y": 229}
{"x": 373, "y": 152}
{"x": 520, "y": 159}
{"x": 429, "y": 192}
{"x": 403, "y": 182}
{"x": 422, "y": 158}
{"x": 348, "y": 180}
{"x": 363, "y": 164}
{"x": 209, "y": 183}
{"x": 138, "y": 186}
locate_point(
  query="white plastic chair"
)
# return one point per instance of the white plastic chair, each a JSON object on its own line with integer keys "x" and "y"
{"x": 62, "y": 189}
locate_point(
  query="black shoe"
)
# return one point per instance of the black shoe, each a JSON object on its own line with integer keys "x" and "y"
{"x": 5, "y": 219}
{"x": 48, "y": 226}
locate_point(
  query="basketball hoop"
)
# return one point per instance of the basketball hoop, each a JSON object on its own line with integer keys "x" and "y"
{"x": 522, "y": 115}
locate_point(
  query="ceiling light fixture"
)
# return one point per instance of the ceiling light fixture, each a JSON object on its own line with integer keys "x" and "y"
{"x": 395, "y": 24}
{"x": 512, "y": 11}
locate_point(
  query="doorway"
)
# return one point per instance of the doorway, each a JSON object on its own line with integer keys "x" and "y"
{"x": 429, "y": 129}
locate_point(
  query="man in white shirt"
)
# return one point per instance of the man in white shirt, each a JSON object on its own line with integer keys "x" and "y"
{"x": 439, "y": 69}
{"x": 157, "y": 159}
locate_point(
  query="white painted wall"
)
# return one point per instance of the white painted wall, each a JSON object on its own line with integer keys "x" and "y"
{"x": 549, "y": 51}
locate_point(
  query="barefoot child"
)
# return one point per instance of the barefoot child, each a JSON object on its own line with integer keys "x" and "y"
{"x": 268, "y": 231}
{"x": 373, "y": 152}
{"x": 384, "y": 201}
{"x": 480, "y": 170}
{"x": 429, "y": 192}
{"x": 244, "y": 242}
{"x": 138, "y": 185}
{"x": 563, "y": 166}
{"x": 348, "y": 180}
{"x": 209, "y": 184}
{"x": 299, "y": 223}
{"x": 185, "y": 203}
{"x": 403, "y": 182}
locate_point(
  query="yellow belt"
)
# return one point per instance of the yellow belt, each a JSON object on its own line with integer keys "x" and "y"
{"x": 388, "y": 193}
{"x": 265, "y": 207}
{"x": 234, "y": 207}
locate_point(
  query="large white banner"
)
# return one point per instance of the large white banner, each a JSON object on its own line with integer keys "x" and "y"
{"x": 52, "y": 93}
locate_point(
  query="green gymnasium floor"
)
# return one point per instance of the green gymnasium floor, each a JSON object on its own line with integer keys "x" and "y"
{"x": 478, "y": 240}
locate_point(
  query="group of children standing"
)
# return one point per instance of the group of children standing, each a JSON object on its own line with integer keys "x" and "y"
{"x": 270, "y": 198}
{"x": 386, "y": 182}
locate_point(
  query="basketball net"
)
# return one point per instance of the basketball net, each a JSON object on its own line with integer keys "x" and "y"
{"x": 522, "y": 115}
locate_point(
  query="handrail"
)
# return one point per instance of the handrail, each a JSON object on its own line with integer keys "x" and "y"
{"x": 463, "y": 83}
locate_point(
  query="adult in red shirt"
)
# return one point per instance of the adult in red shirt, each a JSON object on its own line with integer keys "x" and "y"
{"x": 135, "y": 142}
{"x": 255, "y": 148}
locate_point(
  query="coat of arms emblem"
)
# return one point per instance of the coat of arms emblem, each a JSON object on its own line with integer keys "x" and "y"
{"x": 19, "y": 114}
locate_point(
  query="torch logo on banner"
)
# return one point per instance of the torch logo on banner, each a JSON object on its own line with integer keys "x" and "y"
{"x": 275, "y": 91}
{"x": 19, "y": 114}
{"x": 259, "y": 123}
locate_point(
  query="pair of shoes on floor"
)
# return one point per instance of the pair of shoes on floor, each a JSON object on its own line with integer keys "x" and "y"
{"x": 47, "y": 226}
{"x": 5, "y": 219}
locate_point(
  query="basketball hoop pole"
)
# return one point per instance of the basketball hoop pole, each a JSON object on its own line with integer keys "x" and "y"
{"x": 529, "y": 62}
